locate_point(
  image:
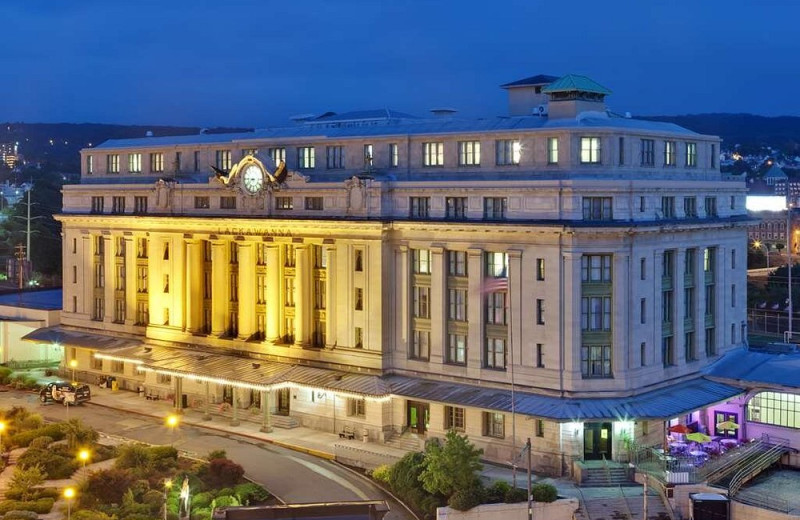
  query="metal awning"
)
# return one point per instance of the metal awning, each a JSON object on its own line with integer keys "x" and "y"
{"x": 74, "y": 338}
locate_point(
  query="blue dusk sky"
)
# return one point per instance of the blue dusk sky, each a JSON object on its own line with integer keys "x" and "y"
{"x": 254, "y": 63}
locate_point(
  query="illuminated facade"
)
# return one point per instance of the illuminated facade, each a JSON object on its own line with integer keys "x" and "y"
{"x": 527, "y": 276}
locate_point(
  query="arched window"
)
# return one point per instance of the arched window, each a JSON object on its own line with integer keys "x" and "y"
{"x": 778, "y": 408}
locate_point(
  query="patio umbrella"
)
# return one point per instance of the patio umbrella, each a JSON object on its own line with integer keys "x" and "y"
{"x": 679, "y": 428}
{"x": 727, "y": 425}
{"x": 698, "y": 437}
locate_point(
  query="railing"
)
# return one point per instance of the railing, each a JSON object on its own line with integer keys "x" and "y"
{"x": 661, "y": 488}
{"x": 766, "y": 501}
{"x": 584, "y": 506}
{"x": 625, "y": 501}
{"x": 758, "y": 464}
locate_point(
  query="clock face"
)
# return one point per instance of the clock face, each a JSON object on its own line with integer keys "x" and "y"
{"x": 253, "y": 178}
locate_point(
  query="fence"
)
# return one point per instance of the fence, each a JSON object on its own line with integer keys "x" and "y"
{"x": 770, "y": 322}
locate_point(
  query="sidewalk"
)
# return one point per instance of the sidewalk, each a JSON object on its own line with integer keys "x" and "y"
{"x": 302, "y": 439}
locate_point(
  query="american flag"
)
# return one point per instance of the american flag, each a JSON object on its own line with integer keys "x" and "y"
{"x": 495, "y": 285}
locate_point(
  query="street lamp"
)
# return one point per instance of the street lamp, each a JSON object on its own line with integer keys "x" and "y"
{"x": 84, "y": 455}
{"x": 167, "y": 487}
{"x": 73, "y": 363}
{"x": 172, "y": 423}
{"x": 69, "y": 494}
{"x": 2, "y": 429}
{"x": 758, "y": 244}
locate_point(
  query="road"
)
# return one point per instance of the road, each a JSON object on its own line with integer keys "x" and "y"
{"x": 293, "y": 477}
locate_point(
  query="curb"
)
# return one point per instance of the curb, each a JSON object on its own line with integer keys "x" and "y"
{"x": 207, "y": 426}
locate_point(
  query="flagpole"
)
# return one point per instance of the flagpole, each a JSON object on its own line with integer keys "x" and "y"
{"x": 513, "y": 393}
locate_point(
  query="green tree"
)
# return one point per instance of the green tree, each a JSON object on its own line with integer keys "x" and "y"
{"x": 451, "y": 466}
{"x": 24, "y": 480}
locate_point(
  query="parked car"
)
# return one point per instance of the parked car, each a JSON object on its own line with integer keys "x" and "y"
{"x": 65, "y": 392}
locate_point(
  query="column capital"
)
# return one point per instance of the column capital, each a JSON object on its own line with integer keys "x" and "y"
{"x": 474, "y": 251}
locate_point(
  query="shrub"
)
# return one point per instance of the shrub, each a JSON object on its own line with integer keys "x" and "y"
{"x": 135, "y": 457}
{"x": 5, "y": 375}
{"x": 31, "y": 422}
{"x": 78, "y": 433}
{"x": 20, "y": 515}
{"x": 450, "y": 466}
{"x": 250, "y": 492}
{"x": 225, "y": 501}
{"x": 40, "y": 443}
{"x": 23, "y": 439}
{"x": 52, "y": 463}
{"x": 88, "y": 514}
{"x": 223, "y": 492}
{"x": 224, "y": 473}
{"x": 109, "y": 485}
{"x": 202, "y": 500}
{"x": 515, "y": 495}
{"x": 404, "y": 480}
{"x": 216, "y": 454}
{"x": 23, "y": 480}
{"x": 542, "y": 492}
{"x": 154, "y": 499}
{"x": 163, "y": 452}
{"x": 201, "y": 513}
{"x": 41, "y": 506}
{"x": 381, "y": 473}
{"x": 497, "y": 491}
{"x": 466, "y": 498}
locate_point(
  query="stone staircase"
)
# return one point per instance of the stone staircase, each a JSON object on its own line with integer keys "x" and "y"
{"x": 284, "y": 421}
{"x": 8, "y": 471}
{"x": 602, "y": 476}
{"x": 620, "y": 503}
{"x": 405, "y": 441}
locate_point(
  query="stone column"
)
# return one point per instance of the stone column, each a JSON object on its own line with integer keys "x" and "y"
{"x": 330, "y": 296}
{"x": 403, "y": 315}
{"x": 266, "y": 418}
{"x": 194, "y": 285}
{"x": 475, "y": 312}
{"x": 178, "y": 401}
{"x": 438, "y": 305}
{"x": 131, "y": 273}
{"x": 207, "y": 405}
{"x": 302, "y": 279}
{"x": 235, "y": 406}
{"x": 678, "y": 287}
{"x": 274, "y": 303}
{"x": 87, "y": 269}
{"x": 155, "y": 291}
{"x": 621, "y": 273}
{"x": 219, "y": 291}
{"x": 109, "y": 266}
{"x": 247, "y": 290}
{"x": 514, "y": 295}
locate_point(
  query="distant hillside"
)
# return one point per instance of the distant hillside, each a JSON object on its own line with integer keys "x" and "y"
{"x": 750, "y": 131}
{"x": 59, "y": 143}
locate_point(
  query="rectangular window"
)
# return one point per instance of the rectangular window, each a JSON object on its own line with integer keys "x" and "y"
{"x": 140, "y": 205}
{"x": 689, "y": 346}
{"x": 97, "y": 204}
{"x": 284, "y": 203}
{"x": 142, "y": 313}
{"x": 227, "y": 202}
{"x": 667, "y": 207}
{"x": 689, "y": 259}
{"x": 507, "y": 152}
{"x": 539, "y": 355}
{"x": 668, "y": 264}
{"x": 394, "y": 155}
{"x": 713, "y": 156}
{"x": 596, "y": 268}
{"x": 668, "y": 351}
{"x": 314, "y": 203}
{"x": 356, "y": 407}
{"x": 642, "y": 204}
{"x": 643, "y": 354}
{"x": 433, "y": 154}
{"x": 733, "y": 202}
{"x": 457, "y": 349}
{"x": 469, "y": 153}
{"x": 202, "y": 203}
{"x": 733, "y": 259}
{"x": 495, "y": 355}
{"x": 456, "y": 207}
{"x": 690, "y": 207}
{"x": 421, "y": 261}
{"x": 733, "y": 295}
{"x": 596, "y": 361}
{"x": 358, "y": 260}
{"x": 552, "y": 150}
{"x": 711, "y": 342}
{"x": 596, "y": 313}
{"x": 157, "y": 162}
{"x": 223, "y": 159}
{"x": 419, "y": 207}
{"x": 711, "y": 206}
{"x": 454, "y": 418}
{"x": 597, "y": 208}
{"x": 117, "y": 205}
{"x": 457, "y": 263}
{"x": 709, "y": 259}
{"x": 667, "y": 307}
{"x": 368, "y": 156}
{"x": 177, "y": 161}
{"x": 359, "y": 299}
{"x": 670, "y": 153}
{"x": 278, "y": 155}
{"x": 711, "y": 300}
{"x": 496, "y": 308}
{"x": 196, "y": 161}
{"x": 643, "y": 268}
{"x": 112, "y": 163}
{"x": 421, "y": 302}
{"x": 457, "y": 304}
{"x": 540, "y": 269}
{"x": 494, "y": 208}
{"x": 89, "y": 165}
{"x": 621, "y": 151}
{"x": 496, "y": 264}
{"x": 117, "y": 367}
{"x": 540, "y": 312}
{"x": 134, "y": 163}
{"x": 334, "y": 157}
{"x": 643, "y": 311}
{"x": 688, "y": 303}
{"x": 691, "y": 155}
{"x": 590, "y": 150}
{"x": 420, "y": 347}
{"x": 305, "y": 158}
{"x": 648, "y": 152}
{"x": 494, "y": 425}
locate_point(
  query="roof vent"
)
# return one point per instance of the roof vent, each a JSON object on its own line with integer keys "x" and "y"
{"x": 149, "y": 133}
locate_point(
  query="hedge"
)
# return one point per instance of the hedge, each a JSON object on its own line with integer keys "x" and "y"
{"x": 23, "y": 439}
{"x": 41, "y": 506}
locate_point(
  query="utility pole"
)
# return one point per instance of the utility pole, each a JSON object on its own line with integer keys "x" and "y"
{"x": 19, "y": 254}
{"x": 530, "y": 492}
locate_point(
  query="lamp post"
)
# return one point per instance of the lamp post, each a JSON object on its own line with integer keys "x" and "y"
{"x": 2, "y": 429}
{"x": 84, "y": 455}
{"x": 758, "y": 245}
{"x": 167, "y": 487}
{"x": 172, "y": 423}
{"x": 69, "y": 494}
{"x": 73, "y": 363}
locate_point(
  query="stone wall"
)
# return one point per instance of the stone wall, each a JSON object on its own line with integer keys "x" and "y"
{"x": 561, "y": 509}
